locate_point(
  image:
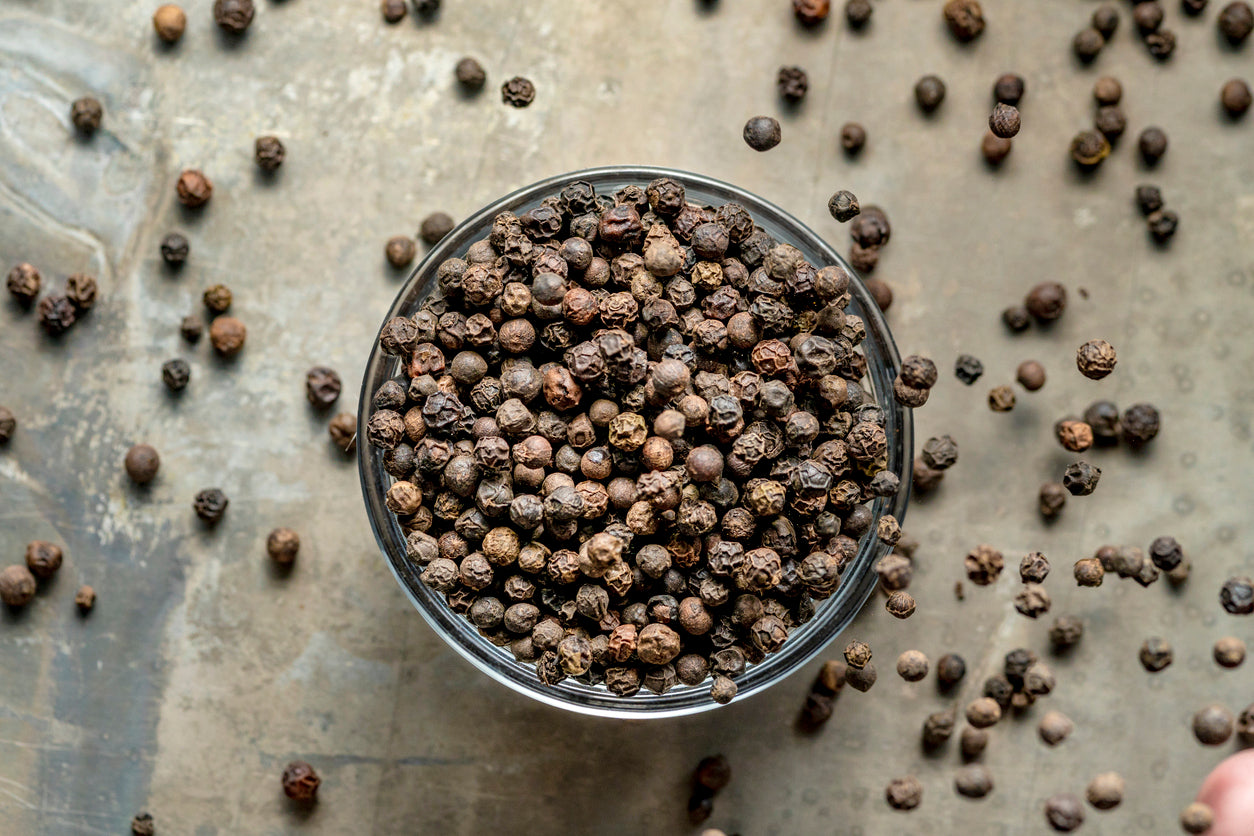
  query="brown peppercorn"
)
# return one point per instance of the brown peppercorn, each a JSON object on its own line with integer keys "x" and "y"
{"x": 657, "y": 644}
{"x": 470, "y": 74}
{"x": 929, "y": 92}
{"x": 857, "y": 654}
{"x": 1236, "y": 21}
{"x": 194, "y": 188}
{"x": 1001, "y": 399}
{"x": 143, "y": 825}
{"x": 434, "y": 227}
{"x": 24, "y": 282}
{"x": 343, "y": 430}
{"x": 301, "y": 782}
{"x": 227, "y": 335}
{"x": 1086, "y": 44}
{"x": 1235, "y": 97}
{"x": 322, "y": 386}
{"x": 912, "y": 666}
{"x": 983, "y": 712}
{"x": 234, "y": 16}
{"x": 904, "y": 793}
{"x": 811, "y": 12}
{"x": 1033, "y": 568}
{"x": 964, "y": 18}
{"x": 169, "y": 21}
{"x": 995, "y": 149}
{"x": 852, "y": 138}
{"x": 1089, "y": 148}
{"x": 937, "y": 729}
{"x": 282, "y": 545}
{"x": 8, "y": 424}
{"x": 518, "y": 92}
{"x": 142, "y": 463}
{"x": 269, "y": 153}
{"x": 900, "y": 604}
{"x": 85, "y": 599}
{"x": 1004, "y": 121}
{"x": 43, "y": 559}
{"x": 1105, "y": 791}
{"x": 400, "y": 250}
{"x": 86, "y": 114}
{"x": 1245, "y": 726}
{"x": 1147, "y": 16}
{"x": 1105, "y": 20}
{"x": 1156, "y": 654}
{"x": 792, "y": 83}
{"x": 1009, "y": 89}
{"x": 1031, "y": 375}
{"x": 1089, "y": 572}
{"x": 1032, "y": 601}
{"x": 1152, "y": 143}
{"x": 1213, "y": 725}
{"x": 1080, "y": 478}
{"x": 761, "y": 133}
{"x": 1051, "y": 499}
{"x": 972, "y": 742}
{"x": 1107, "y": 91}
{"x": 973, "y": 781}
{"x": 984, "y": 564}
{"x": 210, "y": 505}
{"x": 56, "y": 314}
{"x": 1047, "y": 301}
{"x": 1054, "y": 728}
{"x": 1197, "y": 818}
{"x": 17, "y": 586}
{"x": 81, "y": 289}
{"x": 1064, "y": 812}
{"x": 1139, "y": 424}
{"x": 950, "y": 670}
{"x": 1095, "y": 359}
{"x": 217, "y": 298}
{"x": 1075, "y": 436}
{"x": 1229, "y": 652}
{"x": 861, "y": 679}
{"x": 1066, "y": 632}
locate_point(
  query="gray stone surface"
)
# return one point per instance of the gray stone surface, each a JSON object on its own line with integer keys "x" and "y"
{"x": 202, "y": 672}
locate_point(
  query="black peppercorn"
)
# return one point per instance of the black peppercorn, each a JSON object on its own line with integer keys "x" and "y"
{"x": 1105, "y": 20}
{"x": 1004, "y": 120}
{"x": 210, "y": 505}
{"x": 1152, "y": 143}
{"x": 762, "y": 133}
{"x": 176, "y": 374}
{"x": 929, "y": 92}
{"x": 174, "y": 249}
{"x": 300, "y": 782}
{"x": 470, "y": 74}
{"x": 269, "y": 153}
{"x": 858, "y": 13}
{"x": 852, "y": 138}
{"x": 518, "y": 92}
{"x": 1236, "y": 596}
{"x": 968, "y": 368}
{"x": 56, "y": 314}
{"x": 1009, "y": 89}
{"x": 792, "y": 83}
{"x": 86, "y": 114}
{"x": 1087, "y": 44}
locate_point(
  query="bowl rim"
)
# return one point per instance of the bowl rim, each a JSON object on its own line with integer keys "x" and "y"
{"x": 462, "y": 636}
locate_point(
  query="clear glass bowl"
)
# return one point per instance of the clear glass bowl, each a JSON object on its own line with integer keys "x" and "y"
{"x": 831, "y": 616}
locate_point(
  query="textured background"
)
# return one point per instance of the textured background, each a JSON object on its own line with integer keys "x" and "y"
{"x": 201, "y": 672}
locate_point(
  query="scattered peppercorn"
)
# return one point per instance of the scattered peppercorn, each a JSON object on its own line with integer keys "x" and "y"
{"x": 1009, "y": 89}
{"x": 343, "y": 430}
{"x": 518, "y": 92}
{"x": 1089, "y": 148}
{"x": 470, "y": 74}
{"x": 1236, "y": 21}
{"x": 852, "y": 138}
{"x": 1031, "y": 375}
{"x": 1197, "y": 818}
{"x": 193, "y": 187}
{"x": 1080, "y": 478}
{"x": 143, "y": 825}
{"x": 1105, "y": 20}
{"x": 929, "y": 92}
{"x": 269, "y": 153}
{"x": 434, "y": 227}
{"x": 1156, "y": 654}
{"x": 17, "y": 586}
{"x": 858, "y": 13}
{"x": 904, "y": 793}
{"x": 400, "y": 250}
{"x": 1075, "y": 436}
{"x": 1105, "y": 791}
{"x": 792, "y": 83}
{"x": 900, "y": 604}
{"x": 81, "y": 290}
{"x": 1096, "y": 359}
{"x": 142, "y": 463}
{"x": 1089, "y": 572}
{"x": 861, "y": 679}
{"x": 86, "y": 114}
{"x": 950, "y": 670}
{"x": 282, "y": 545}
{"x": 1193, "y": 8}
{"x": 1147, "y": 15}
{"x": 1004, "y": 120}
{"x": 880, "y": 292}
{"x": 227, "y": 335}
{"x": 191, "y": 329}
{"x": 322, "y": 386}
{"x": 1229, "y": 652}
{"x": 1152, "y": 144}
{"x": 964, "y": 18}
{"x": 762, "y": 133}
{"x": 1001, "y": 399}
{"x": 85, "y": 599}
{"x": 210, "y": 505}
{"x": 937, "y": 729}
{"x": 968, "y": 369}
{"x": 24, "y": 282}
{"x": 1107, "y": 91}
{"x": 1064, "y": 812}
{"x": 1162, "y": 225}
{"x": 1016, "y": 318}
{"x": 217, "y": 298}
{"x": 1245, "y": 726}
{"x": 1235, "y": 97}
{"x": 169, "y": 21}
{"x": 983, "y": 712}
{"x": 1236, "y": 596}
{"x": 43, "y": 559}
{"x": 1050, "y": 499}
{"x": 393, "y": 11}
{"x": 1066, "y": 632}
{"x": 234, "y": 16}
{"x": 912, "y": 666}
{"x": 1087, "y": 44}
{"x": 973, "y": 780}
{"x": 56, "y": 314}
{"x": 8, "y": 424}
{"x": 843, "y": 206}
{"x": 300, "y": 782}
{"x": 1139, "y": 424}
{"x": 1213, "y": 725}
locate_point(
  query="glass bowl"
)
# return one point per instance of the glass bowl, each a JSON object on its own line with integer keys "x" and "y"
{"x": 831, "y": 615}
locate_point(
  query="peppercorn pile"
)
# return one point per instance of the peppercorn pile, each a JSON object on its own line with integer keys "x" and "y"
{"x": 650, "y": 451}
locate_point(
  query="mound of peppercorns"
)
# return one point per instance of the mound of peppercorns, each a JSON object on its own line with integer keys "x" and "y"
{"x": 629, "y": 439}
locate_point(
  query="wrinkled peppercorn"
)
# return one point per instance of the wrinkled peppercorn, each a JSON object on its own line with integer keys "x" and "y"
{"x": 175, "y": 249}
{"x": 300, "y": 782}
{"x": 1152, "y": 143}
{"x": 322, "y": 386}
{"x": 143, "y": 825}
{"x": 1089, "y": 148}
{"x": 434, "y": 227}
{"x": 269, "y": 153}
{"x": 1139, "y": 424}
{"x": 1096, "y": 359}
{"x": 843, "y": 206}
{"x": 210, "y": 505}
{"x": 400, "y": 250}
{"x": 282, "y": 544}
{"x": 217, "y": 298}
{"x": 852, "y": 138}
{"x": 1066, "y": 632}
{"x": 1064, "y": 812}
{"x": 968, "y": 369}
{"x": 964, "y": 18}
{"x": 904, "y": 793}
{"x": 1162, "y": 225}
{"x": 234, "y": 16}
{"x": 1004, "y": 120}
{"x": 86, "y": 114}
{"x": 518, "y": 92}
{"x": 56, "y": 314}
{"x": 24, "y": 282}
{"x": 193, "y": 188}
{"x": 1156, "y": 654}
{"x": 1080, "y": 478}
{"x": 792, "y": 83}
{"x": 950, "y": 670}
{"x": 1236, "y": 596}
{"x": 1001, "y": 399}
